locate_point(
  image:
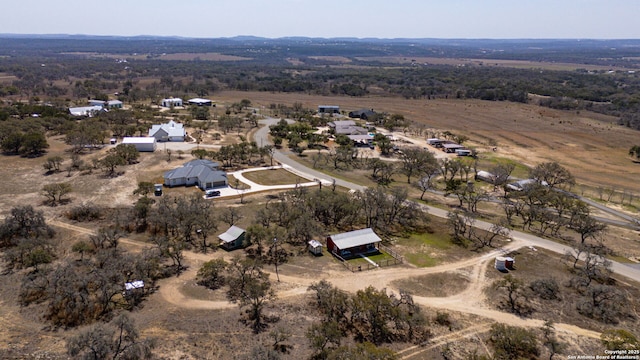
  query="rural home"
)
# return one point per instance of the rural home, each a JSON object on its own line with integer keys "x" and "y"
{"x": 233, "y": 238}
{"x": 86, "y": 110}
{"x": 200, "y": 102}
{"x": 364, "y": 114}
{"x": 203, "y": 173}
{"x": 142, "y": 144}
{"x": 362, "y": 139}
{"x": 451, "y": 147}
{"x": 171, "y": 102}
{"x": 346, "y": 127}
{"x": 354, "y": 243}
{"x": 486, "y": 177}
{"x": 111, "y": 104}
{"x": 328, "y": 109}
{"x": 520, "y": 185}
{"x": 170, "y": 131}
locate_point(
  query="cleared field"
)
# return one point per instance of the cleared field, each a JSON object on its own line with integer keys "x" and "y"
{"x": 521, "y": 64}
{"x": 273, "y": 177}
{"x": 174, "y": 56}
{"x": 591, "y": 145}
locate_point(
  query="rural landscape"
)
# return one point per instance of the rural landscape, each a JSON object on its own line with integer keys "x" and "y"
{"x": 306, "y": 198}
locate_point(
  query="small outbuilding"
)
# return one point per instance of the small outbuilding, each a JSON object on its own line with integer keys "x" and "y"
{"x": 200, "y": 102}
{"x": 169, "y": 102}
{"x": 329, "y": 109}
{"x": 233, "y": 238}
{"x": 504, "y": 263}
{"x": 315, "y": 247}
{"x": 451, "y": 147}
{"x": 354, "y": 243}
{"x": 486, "y": 177}
{"x": 142, "y": 144}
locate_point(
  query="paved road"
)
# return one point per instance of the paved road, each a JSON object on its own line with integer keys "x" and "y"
{"x": 261, "y": 137}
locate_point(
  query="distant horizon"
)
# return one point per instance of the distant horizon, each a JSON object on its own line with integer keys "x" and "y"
{"x": 50, "y": 35}
{"x": 379, "y": 19}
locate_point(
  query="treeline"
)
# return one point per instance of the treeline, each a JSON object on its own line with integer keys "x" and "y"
{"x": 609, "y": 93}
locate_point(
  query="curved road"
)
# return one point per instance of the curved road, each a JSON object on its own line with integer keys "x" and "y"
{"x": 262, "y": 137}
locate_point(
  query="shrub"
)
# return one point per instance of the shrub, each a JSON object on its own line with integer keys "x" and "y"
{"x": 84, "y": 212}
{"x": 546, "y": 289}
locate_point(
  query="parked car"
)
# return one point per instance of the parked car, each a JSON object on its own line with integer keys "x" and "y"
{"x": 211, "y": 193}
{"x": 157, "y": 189}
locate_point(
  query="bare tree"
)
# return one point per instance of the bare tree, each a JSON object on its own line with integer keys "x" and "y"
{"x": 117, "y": 340}
{"x": 250, "y": 288}
{"x": 552, "y": 174}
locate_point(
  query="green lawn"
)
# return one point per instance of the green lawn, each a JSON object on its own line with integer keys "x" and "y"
{"x": 426, "y": 249}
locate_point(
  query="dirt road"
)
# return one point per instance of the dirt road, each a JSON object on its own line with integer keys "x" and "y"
{"x": 470, "y": 301}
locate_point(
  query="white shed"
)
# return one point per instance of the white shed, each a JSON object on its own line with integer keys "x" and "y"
{"x": 142, "y": 144}
{"x": 315, "y": 247}
{"x": 171, "y": 102}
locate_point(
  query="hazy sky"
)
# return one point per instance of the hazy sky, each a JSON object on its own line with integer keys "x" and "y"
{"x": 596, "y": 19}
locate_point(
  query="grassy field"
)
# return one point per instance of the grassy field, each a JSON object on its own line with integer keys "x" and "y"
{"x": 591, "y": 145}
{"x": 274, "y": 177}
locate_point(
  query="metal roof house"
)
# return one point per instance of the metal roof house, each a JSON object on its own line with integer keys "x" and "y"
{"x": 200, "y": 102}
{"x": 169, "y": 102}
{"x": 347, "y": 127}
{"x": 233, "y": 238}
{"x": 329, "y": 109}
{"x": 364, "y": 114}
{"x": 203, "y": 173}
{"x": 86, "y": 110}
{"x": 147, "y": 144}
{"x": 110, "y": 104}
{"x": 354, "y": 243}
{"x": 171, "y": 131}
{"x": 486, "y": 176}
{"x": 451, "y": 147}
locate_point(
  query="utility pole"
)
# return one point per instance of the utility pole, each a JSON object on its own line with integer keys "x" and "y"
{"x": 274, "y": 249}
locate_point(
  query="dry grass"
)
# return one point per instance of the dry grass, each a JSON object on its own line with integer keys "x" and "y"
{"x": 591, "y": 145}
{"x": 435, "y": 285}
{"x": 522, "y": 64}
{"x": 274, "y": 177}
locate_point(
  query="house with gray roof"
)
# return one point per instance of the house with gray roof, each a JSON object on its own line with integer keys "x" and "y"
{"x": 364, "y": 114}
{"x": 109, "y": 104}
{"x": 233, "y": 238}
{"x": 171, "y": 131}
{"x": 86, "y": 110}
{"x": 354, "y": 243}
{"x": 202, "y": 173}
{"x": 346, "y": 127}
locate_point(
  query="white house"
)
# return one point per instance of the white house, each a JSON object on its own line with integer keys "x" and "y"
{"x": 86, "y": 110}
{"x": 111, "y": 104}
{"x": 171, "y": 131}
{"x": 142, "y": 144}
{"x": 171, "y": 102}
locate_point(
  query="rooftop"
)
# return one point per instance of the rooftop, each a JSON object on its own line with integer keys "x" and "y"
{"x": 355, "y": 238}
{"x": 231, "y": 234}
